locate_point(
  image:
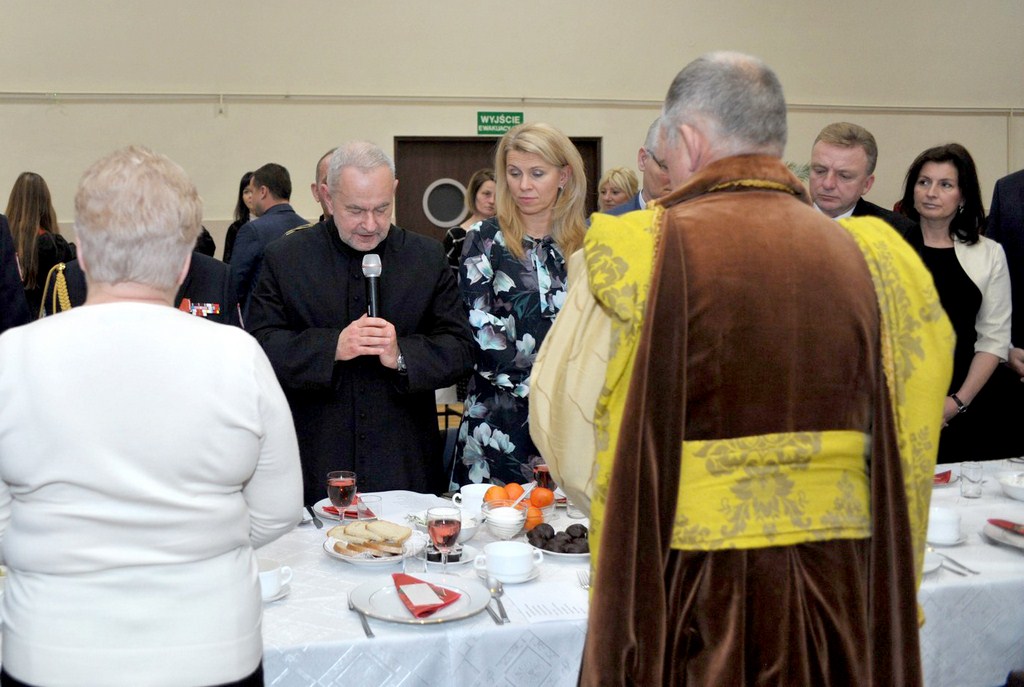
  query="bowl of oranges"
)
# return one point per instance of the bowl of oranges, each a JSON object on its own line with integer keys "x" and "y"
{"x": 505, "y": 521}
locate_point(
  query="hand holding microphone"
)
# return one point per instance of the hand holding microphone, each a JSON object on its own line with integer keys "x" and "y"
{"x": 368, "y": 337}
{"x": 371, "y": 272}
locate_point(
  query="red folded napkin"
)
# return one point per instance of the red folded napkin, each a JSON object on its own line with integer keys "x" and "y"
{"x": 943, "y": 477}
{"x": 351, "y": 511}
{"x": 422, "y": 598}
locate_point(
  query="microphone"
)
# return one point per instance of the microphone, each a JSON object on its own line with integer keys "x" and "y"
{"x": 372, "y": 270}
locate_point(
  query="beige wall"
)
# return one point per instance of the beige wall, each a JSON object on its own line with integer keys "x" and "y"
{"x": 223, "y": 86}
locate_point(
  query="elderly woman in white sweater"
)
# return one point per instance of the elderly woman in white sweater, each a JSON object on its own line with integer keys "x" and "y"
{"x": 144, "y": 454}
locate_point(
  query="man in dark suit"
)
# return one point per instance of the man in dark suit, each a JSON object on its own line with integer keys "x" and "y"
{"x": 208, "y": 290}
{"x": 653, "y": 171}
{"x": 13, "y": 306}
{"x": 271, "y": 187}
{"x": 361, "y": 388}
{"x": 842, "y": 170}
{"x": 1006, "y": 225}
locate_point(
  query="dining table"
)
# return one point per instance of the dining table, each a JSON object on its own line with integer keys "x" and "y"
{"x": 973, "y": 634}
{"x": 311, "y": 637}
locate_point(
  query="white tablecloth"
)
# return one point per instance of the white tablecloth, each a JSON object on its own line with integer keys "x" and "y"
{"x": 973, "y": 635}
{"x": 974, "y": 625}
{"x": 312, "y": 638}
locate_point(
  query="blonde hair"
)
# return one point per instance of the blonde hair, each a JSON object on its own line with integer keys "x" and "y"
{"x": 567, "y": 216}
{"x": 621, "y": 178}
{"x": 29, "y": 209}
{"x": 137, "y": 216}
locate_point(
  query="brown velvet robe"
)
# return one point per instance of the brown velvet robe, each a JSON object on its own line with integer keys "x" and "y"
{"x": 761, "y": 318}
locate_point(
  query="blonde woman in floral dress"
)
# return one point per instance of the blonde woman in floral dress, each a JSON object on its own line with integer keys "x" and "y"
{"x": 513, "y": 283}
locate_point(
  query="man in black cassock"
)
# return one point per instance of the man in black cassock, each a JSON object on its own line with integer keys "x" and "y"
{"x": 361, "y": 388}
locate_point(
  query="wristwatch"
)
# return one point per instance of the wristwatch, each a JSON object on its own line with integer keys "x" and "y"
{"x": 961, "y": 407}
{"x": 402, "y": 369}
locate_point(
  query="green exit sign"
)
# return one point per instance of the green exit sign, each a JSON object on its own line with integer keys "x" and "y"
{"x": 490, "y": 123}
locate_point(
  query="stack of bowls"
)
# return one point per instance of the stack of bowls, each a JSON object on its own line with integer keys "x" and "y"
{"x": 502, "y": 520}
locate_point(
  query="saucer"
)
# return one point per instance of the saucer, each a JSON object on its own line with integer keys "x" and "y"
{"x": 932, "y": 562}
{"x": 958, "y": 542}
{"x": 281, "y": 593}
{"x": 511, "y": 579}
{"x": 469, "y": 554}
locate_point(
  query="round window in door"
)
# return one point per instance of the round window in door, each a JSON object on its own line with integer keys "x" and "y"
{"x": 444, "y": 202}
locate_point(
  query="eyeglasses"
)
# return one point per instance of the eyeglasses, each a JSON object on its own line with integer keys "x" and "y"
{"x": 664, "y": 167}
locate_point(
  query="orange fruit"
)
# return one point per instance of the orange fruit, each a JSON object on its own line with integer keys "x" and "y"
{"x": 495, "y": 493}
{"x": 513, "y": 490}
{"x": 533, "y": 518}
{"x": 541, "y": 497}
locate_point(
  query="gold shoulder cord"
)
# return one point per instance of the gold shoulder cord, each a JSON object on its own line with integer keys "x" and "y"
{"x": 60, "y": 291}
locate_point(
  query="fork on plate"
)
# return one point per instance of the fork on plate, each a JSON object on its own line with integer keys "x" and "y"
{"x": 584, "y": 576}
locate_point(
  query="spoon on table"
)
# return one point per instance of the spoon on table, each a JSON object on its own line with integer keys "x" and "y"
{"x": 494, "y": 585}
{"x": 526, "y": 492}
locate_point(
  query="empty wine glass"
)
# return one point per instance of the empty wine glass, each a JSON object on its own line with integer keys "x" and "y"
{"x": 341, "y": 490}
{"x": 443, "y": 525}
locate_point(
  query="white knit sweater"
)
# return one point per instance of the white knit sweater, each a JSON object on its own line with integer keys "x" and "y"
{"x": 144, "y": 453}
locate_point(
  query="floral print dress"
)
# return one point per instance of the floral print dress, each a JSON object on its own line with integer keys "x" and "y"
{"x": 512, "y": 304}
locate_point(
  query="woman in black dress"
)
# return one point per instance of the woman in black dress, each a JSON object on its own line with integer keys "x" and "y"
{"x": 242, "y": 209}
{"x": 942, "y": 195}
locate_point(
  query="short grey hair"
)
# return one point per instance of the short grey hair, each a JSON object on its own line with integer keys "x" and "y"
{"x": 137, "y": 217}
{"x": 736, "y": 100}
{"x": 362, "y": 155}
{"x": 651, "y": 142}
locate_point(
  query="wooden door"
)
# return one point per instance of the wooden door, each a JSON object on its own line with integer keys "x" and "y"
{"x": 433, "y": 172}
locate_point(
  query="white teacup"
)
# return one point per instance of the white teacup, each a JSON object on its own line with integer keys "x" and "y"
{"x": 508, "y": 561}
{"x": 943, "y": 525}
{"x": 273, "y": 577}
{"x": 471, "y": 497}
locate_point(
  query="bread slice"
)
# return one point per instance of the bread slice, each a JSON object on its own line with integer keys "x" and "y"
{"x": 392, "y": 532}
{"x": 378, "y": 538}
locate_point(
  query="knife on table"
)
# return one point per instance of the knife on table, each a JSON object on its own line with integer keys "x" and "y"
{"x": 317, "y": 522}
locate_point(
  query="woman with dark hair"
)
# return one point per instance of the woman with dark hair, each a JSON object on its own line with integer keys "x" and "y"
{"x": 480, "y": 204}
{"x": 37, "y": 234}
{"x": 942, "y": 195}
{"x": 37, "y": 239}
{"x": 513, "y": 280}
{"x": 243, "y": 208}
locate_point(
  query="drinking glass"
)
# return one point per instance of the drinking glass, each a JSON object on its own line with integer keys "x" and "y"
{"x": 542, "y": 476}
{"x": 443, "y": 525}
{"x": 971, "y": 473}
{"x": 341, "y": 490}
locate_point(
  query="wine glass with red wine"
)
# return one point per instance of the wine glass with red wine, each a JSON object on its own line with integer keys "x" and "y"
{"x": 341, "y": 490}
{"x": 443, "y": 525}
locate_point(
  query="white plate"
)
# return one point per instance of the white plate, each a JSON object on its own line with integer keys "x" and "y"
{"x": 412, "y": 546}
{"x": 482, "y": 574}
{"x": 958, "y": 542}
{"x": 319, "y": 508}
{"x": 570, "y": 556}
{"x": 379, "y": 599}
{"x": 1001, "y": 536}
{"x": 469, "y": 554}
{"x": 932, "y": 562}
{"x": 281, "y": 593}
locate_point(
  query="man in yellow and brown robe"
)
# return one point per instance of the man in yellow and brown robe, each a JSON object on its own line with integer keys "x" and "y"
{"x": 747, "y": 395}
